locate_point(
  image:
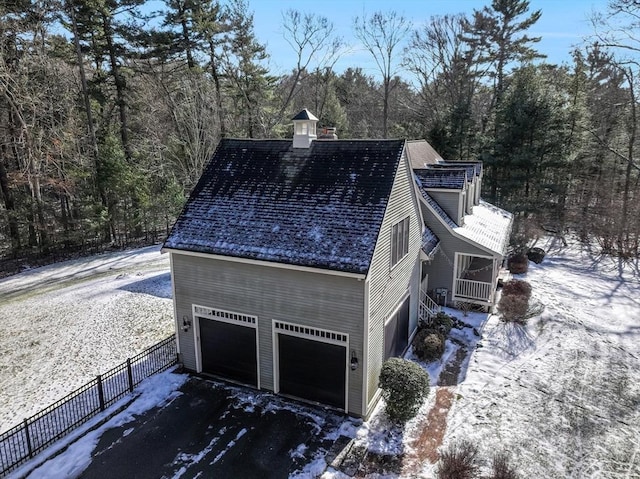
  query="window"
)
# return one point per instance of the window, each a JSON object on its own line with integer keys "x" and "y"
{"x": 399, "y": 241}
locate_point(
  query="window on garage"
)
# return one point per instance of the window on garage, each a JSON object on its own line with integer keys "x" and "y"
{"x": 399, "y": 241}
{"x": 396, "y": 331}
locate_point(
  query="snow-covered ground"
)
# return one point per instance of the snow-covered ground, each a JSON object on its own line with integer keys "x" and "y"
{"x": 62, "y": 324}
{"x": 561, "y": 396}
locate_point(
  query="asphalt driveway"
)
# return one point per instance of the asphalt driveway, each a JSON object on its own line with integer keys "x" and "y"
{"x": 220, "y": 431}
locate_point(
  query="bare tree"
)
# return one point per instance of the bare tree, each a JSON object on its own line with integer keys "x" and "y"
{"x": 316, "y": 46}
{"x": 447, "y": 78}
{"x": 382, "y": 34}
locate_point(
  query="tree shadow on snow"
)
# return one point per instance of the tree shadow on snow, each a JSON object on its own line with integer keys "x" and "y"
{"x": 514, "y": 338}
{"x": 159, "y": 286}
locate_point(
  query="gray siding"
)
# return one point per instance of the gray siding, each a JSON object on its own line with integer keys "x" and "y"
{"x": 310, "y": 299}
{"x": 440, "y": 269}
{"x": 387, "y": 285}
{"x": 449, "y": 201}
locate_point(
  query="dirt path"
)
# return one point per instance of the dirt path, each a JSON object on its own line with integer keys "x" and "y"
{"x": 359, "y": 463}
{"x": 432, "y": 430}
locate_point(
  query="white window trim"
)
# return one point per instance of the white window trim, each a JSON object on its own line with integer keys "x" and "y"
{"x": 408, "y": 237}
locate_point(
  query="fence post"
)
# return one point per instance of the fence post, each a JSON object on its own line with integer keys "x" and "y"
{"x": 100, "y": 392}
{"x": 28, "y": 437}
{"x": 130, "y": 375}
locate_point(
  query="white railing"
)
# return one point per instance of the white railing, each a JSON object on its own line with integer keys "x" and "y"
{"x": 478, "y": 290}
{"x": 427, "y": 307}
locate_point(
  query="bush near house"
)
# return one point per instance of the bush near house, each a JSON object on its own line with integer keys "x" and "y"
{"x": 429, "y": 342}
{"x": 516, "y": 287}
{"x": 514, "y": 304}
{"x": 404, "y": 386}
{"x": 428, "y": 345}
{"x": 518, "y": 263}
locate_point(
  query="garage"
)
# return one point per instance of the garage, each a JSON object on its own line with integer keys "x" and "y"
{"x": 312, "y": 364}
{"x": 228, "y": 346}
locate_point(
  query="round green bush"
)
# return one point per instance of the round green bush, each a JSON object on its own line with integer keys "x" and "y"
{"x": 404, "y": 386}
{"x": 428, "y": 344}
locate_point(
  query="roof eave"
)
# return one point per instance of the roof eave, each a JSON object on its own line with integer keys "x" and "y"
{"x": 272, "y": 264}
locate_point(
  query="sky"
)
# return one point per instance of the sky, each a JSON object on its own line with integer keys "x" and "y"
{"x": 563, "y": 24}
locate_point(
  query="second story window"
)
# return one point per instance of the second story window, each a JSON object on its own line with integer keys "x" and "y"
{"x": 399, "y": 241}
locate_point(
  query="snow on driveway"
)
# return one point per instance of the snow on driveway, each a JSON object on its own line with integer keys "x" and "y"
{"x": 62, "y": 324}
{"x": 562, "y": 395}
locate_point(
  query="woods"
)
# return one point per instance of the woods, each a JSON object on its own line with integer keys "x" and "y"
{"x": 109, "y": 110}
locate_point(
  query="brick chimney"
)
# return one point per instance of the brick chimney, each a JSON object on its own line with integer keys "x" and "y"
{"x": 328, "y": 133}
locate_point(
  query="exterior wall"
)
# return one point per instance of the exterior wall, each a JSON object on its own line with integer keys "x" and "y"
{"x": 387, "y": 286}
{"x": 451, "y": 202}
{"x": 441, "y": 268}
{"x": 311, "y": 299}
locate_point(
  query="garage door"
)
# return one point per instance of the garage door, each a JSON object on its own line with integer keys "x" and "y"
{"x": 229, "y": 348}
{"x": 311, "y": 368}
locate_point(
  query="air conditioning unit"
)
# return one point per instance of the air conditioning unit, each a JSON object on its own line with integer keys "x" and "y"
{"x": 441, "y": 296}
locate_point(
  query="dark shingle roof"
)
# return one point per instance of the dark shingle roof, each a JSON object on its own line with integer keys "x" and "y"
{"x": 305, "y": 115}
{"x": 472, "y": 168}
{"x": 448, "y": 178}
{"x": 319, "y": 207}
{"x": 429, "y": 241}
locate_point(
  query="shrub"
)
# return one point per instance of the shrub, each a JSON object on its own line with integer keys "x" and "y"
{"x": 501, "y": 468}
{"x": 518, "y": 263}
{"x": 516, "y": 287}
{"x": 442, "y": 323}
{"x": 536, "y": 255}
{"x": 404, "y": 385}
{"x": 459, "y": 461}
{"x": 428, "y": 344}
{"x": 513, "y": 308}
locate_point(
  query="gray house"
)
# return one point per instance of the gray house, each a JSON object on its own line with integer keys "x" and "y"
{"x": 473, "y": 235}
{"x": 295, "y": 265}
{"x": 298, "y": 266}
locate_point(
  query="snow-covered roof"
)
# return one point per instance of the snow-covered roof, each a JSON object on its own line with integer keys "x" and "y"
{"x": 488, "y": 226}
{"x": 472, "y": 168}
{"x": 429, "y": 241}
{"x": 445, "y": 178}
{"x": 319, "y": 207}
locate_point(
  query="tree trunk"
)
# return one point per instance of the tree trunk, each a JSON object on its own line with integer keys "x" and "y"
{"x": 9, "y": 204}
{"x": 119, "y": 83}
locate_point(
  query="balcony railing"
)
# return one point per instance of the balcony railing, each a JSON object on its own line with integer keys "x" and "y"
{"x": 474, "y": 290}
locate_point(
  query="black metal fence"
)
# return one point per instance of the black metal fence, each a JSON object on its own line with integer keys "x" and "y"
{"x": 24, "y": 441}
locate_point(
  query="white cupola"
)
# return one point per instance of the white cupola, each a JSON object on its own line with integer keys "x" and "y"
{"x": 304, "y": 129}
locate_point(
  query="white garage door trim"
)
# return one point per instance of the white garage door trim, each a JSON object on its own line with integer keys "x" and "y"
{"x": 315, "y": 334}
{"x": 230, "y": 317}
